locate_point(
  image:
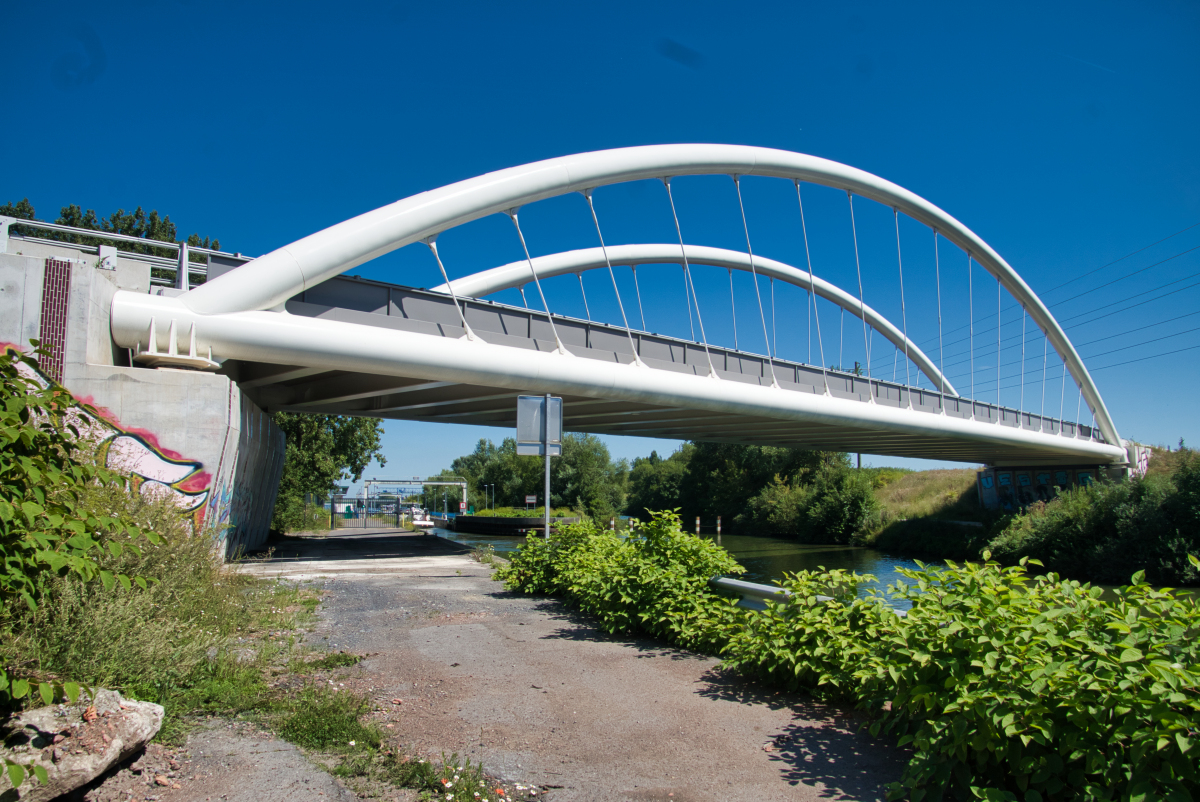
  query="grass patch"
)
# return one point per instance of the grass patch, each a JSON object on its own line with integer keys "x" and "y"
{"x": 326, "y": 720}
{"x": 328, "y": 661}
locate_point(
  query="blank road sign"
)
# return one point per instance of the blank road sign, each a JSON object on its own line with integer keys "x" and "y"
{"x": 539, "y": 431}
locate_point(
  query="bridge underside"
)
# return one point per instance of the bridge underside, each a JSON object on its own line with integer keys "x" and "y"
{"x": 300, "y": 388}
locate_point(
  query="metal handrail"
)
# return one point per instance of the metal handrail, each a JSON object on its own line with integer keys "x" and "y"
{"x": 755, "y": 596}
{"x": 115, "y": 237}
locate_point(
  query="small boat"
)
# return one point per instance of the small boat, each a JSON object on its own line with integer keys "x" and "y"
{"x": 421, "y": 520}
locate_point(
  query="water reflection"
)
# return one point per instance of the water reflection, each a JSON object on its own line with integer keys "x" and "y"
{"x": 764, "y": 558}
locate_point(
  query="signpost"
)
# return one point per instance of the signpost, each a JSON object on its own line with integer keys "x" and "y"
{"x": 539, "y": 432}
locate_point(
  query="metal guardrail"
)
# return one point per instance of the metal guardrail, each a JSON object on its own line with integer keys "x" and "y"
{"x": 755, "y": 596}
{"x": 161, "y": 262}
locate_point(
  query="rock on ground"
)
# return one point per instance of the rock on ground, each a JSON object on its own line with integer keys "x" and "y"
{"x": 75, "y": 743}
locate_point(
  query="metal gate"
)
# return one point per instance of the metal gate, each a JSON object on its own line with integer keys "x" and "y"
{"x": 351, "y": 512}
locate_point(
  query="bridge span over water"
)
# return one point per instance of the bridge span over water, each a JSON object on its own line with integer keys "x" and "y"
{"x": 298, "y": 335}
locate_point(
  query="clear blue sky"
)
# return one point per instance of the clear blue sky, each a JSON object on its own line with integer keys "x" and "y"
{"x": 1064, "y": 134}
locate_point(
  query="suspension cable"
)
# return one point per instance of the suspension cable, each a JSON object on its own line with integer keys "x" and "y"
{"x": 432, "y": 243}
{"x": 687, "y": 298}
{"x": 1062, "y": 398}
{"x": 512, "y": 214}
{"x": 861, "y": 303}
{"x": 712, "y": 371}
{"x": 774, "y": 337}
{"x": 636, "y": 357}
{"x": 841, "y": 337}
{"x": 971, "y": 324}
{"x": 733, "y": 310}
{"x": 1045, "y": 353}
{"x": 812, "y": 297}
{"x": 638, "y": 290}
{"x": 754, "y": 275}
{"x": 999, "y": 297}
{"x": 903, "y": 311}
{"x": 1021, "y": 406}
{"x": 937, "y": 272}
{"x": 524, "y": 300}
{"x": 583, "y": 292}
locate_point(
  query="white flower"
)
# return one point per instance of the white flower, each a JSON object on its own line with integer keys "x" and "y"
{"x": 352, "y": 743}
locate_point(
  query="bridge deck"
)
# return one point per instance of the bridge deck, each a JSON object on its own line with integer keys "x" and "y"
{"x": 386, "y": 306}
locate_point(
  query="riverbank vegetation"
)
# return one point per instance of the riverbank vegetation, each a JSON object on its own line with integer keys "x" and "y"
{"x": 1102, "y": 533}
{"x": 1003, "y": 685}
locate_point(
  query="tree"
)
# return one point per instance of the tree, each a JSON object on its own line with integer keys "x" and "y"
{"x": 321, "y": 450}
{"x": 149, "y": 226}
{"x": 584, "y": 478}
{"x": 721, "y": 478}
{"x": 654, "y": 482}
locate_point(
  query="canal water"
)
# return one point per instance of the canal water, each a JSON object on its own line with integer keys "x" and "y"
{"x": 764, "y": 558}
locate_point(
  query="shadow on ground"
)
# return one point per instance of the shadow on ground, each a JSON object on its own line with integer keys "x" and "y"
{"x": 825, "y": 744}
{"x": 360, "y": 545}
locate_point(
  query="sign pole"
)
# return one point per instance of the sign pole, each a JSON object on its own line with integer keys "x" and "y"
{"x": 546, "y": 439}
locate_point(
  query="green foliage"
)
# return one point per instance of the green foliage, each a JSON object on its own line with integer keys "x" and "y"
{"x": 149, "y": 226}
{"x": 328, "y": 720}
{"x": 829, "y": 506}
{"x": 1006, "y": 686}
{"x": 721, "y": 478}
{"x": 448, "y": 777}
{"x": 654, "y": 482}
{"x": 584, "y": 478}
{"x": 46, "y": 530}
{"x": 816, "y": 639}
{"x": 655, "y": 580}
{"x": 522, "y": 512}
{"x": 1105, "y": 530}
{"x": 321, "y": 450}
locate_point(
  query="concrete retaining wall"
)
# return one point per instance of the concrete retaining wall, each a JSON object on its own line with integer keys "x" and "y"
{"x": 185, "y": 433}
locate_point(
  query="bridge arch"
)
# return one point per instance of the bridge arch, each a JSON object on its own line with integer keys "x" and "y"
{"x": 569, "y": 262}
{"x": 267, "y": 282}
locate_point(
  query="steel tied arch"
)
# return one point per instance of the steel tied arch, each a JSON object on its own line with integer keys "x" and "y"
{"x": 268, "y": 281}
{"x": 513, "y": 275}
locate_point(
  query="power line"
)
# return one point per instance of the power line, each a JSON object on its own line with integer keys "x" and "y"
{"x": 1122, "y": 278}
{"x": 1123, "y": 258}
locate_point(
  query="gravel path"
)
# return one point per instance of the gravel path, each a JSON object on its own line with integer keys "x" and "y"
{"x": 542, "y": 697}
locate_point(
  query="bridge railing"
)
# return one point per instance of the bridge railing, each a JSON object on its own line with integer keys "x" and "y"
{"x": 755, "y": 596}
{"x": 165, "y": 269}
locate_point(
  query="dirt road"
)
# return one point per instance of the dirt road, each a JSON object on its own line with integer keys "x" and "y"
{"x": 541, "y": 696}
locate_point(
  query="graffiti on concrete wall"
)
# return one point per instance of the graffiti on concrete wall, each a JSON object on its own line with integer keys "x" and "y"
{"x": 156, "y": 471}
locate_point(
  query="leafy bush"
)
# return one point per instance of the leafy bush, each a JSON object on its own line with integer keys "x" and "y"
{"x": 1105, "y": 531}
{"x": 1006, "y": 686}
{"x": 655, "y": 580}
{"x": 828, "y": 506}
{"x": 522, "y": 512}
{"x": 812, "y": 642}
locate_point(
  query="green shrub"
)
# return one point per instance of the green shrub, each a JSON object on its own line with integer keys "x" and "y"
{"x": 1106, "y": 531}
{"x": 1040, "y": 687}
{"x": 828, "y": 506}
{"x": 654, "y": 580}
{"x": 811, "y": 642}
{"x": 522, "y": 512}
{"x": 1005, "y": 686}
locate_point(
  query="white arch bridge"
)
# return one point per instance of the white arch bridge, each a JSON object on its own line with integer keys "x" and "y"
{"x": 298, "y": 336}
